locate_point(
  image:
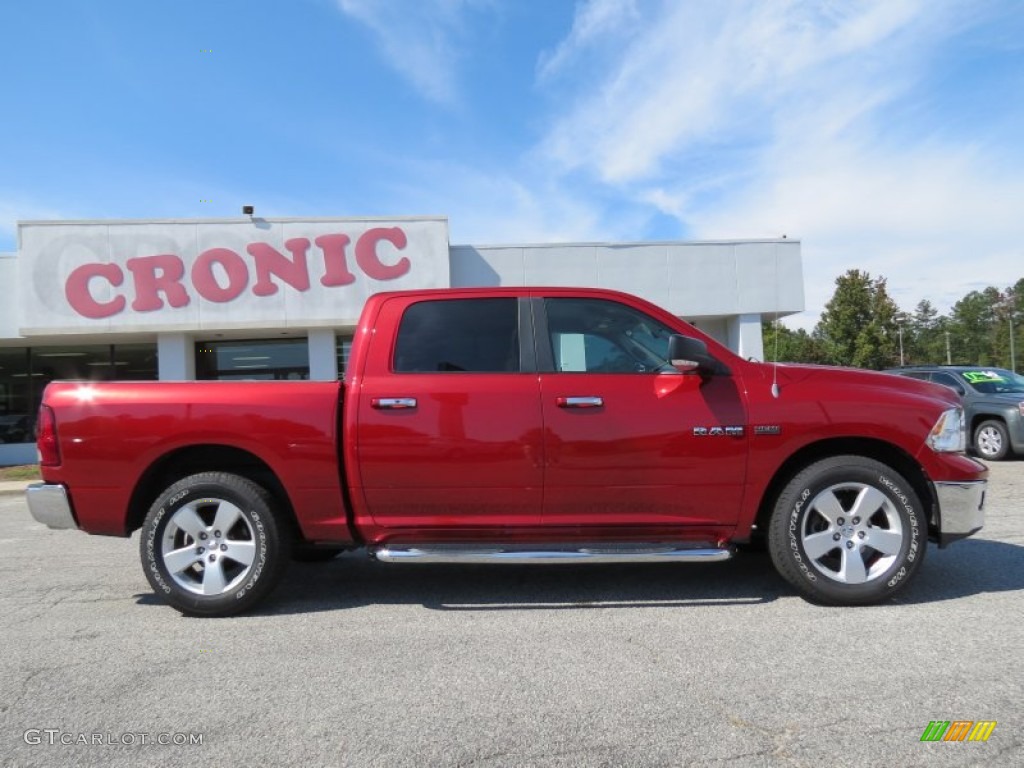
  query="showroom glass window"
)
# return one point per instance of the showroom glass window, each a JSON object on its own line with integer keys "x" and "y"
{"x": 16, "y": 405}
{"x": 25, "y": 372}
{"x": 260, "y": 359}
{"x": 344, "y": 352}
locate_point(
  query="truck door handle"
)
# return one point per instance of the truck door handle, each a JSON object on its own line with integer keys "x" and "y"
{"x": 393, "y": 403}
{"x": 579, "y": 402}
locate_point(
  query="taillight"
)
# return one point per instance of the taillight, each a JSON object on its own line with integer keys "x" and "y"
{"x": 46, "y": 437}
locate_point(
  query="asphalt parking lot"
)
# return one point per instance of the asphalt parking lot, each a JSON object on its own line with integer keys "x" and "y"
{"x": 362, "y": 663}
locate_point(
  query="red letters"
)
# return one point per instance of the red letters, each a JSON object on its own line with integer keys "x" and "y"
{"x": 206, "y": 282}
{"x": 81, "y": 300}
{"x": 148, "y": 284}
{"x": 369, "y": 261}
{"x": 271, "y": 262}
{"x": 221, "y": 275}
{"x": 335, "y": 266}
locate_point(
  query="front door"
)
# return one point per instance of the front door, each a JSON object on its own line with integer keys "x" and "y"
{"x": 629, "y": 441}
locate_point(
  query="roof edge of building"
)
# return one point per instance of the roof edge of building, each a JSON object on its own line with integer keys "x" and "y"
{"x": 229, "y": 220}
{"x": 629, "y": 243}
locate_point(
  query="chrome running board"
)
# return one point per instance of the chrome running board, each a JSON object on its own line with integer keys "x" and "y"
{"x": 596, "y": 553}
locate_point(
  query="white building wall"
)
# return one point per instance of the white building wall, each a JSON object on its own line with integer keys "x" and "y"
{"x": 724, "y": 287}
{"x": 704, "y": 279}
{"x": 176, "y": 356}
{"x": 721, "y": 287}
{"x": 745, "y": 336}
{"x": 715, "y": 327}
{"x": 8, "y": 296}
{"x": 94, "y": 277}
{"x": 323, "y": 354}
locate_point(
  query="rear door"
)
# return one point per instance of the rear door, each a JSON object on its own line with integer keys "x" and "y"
{"x": 449, "y": 430}
{"x": 629, "y": 441}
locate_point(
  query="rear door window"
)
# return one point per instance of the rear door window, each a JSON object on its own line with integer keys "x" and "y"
{"x": 459, "y": 336}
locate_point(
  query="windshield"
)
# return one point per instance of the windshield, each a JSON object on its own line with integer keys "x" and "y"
{"x": 994, "y": 381}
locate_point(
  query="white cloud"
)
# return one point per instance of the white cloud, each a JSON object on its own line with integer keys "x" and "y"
{"x": 936, "y": 221}
{"x": 595, "y": 21}
{"x": 707, "y": 74}
{"x": 494, "y": 205}
{"x": 419, "y": 38}
{"x": 764, "y": 117}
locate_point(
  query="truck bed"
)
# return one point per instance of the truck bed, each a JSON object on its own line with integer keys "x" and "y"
{"x": 118, "y": 438}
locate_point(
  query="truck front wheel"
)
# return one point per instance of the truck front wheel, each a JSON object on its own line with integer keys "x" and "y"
{"x": 211, "y": 545}
{"x": 848, "y": 530}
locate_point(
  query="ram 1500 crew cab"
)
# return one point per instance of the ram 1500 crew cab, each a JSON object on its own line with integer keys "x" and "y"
{"x": 515, "y": 425}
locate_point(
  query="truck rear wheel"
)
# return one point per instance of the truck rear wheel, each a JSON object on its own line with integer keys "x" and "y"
{"x": 848, "y": 530}
{"x": 211, "y": 545}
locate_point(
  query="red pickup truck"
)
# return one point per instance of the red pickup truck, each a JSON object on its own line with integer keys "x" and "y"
{"x": 515, "y": 425}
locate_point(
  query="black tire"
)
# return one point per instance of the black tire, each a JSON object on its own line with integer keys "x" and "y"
{"x": 303, "y": 553}
{"x": 991, "y": 440}
{"x": 828, "y": 522}
{"x": 201, "y": 569}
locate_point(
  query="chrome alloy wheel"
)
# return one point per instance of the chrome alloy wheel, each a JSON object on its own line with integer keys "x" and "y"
{"x": 851, "y": 532}
{"x": 208, "y": 546}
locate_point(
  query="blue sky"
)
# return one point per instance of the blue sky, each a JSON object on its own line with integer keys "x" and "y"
{"x": 886, "y": 135}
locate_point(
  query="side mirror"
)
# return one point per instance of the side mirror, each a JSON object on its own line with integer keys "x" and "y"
{"x": 688, "y": 355}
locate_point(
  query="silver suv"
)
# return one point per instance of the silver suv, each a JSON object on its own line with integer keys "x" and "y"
{"x": 993, "y": 400}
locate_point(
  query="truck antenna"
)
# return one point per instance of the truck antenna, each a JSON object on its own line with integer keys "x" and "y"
{"x": 775, "y": 325}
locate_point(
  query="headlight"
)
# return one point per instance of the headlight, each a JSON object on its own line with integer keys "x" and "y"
{"x": 949, "y": 435}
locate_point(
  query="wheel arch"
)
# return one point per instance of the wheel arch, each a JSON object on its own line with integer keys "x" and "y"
{"x": 879, "y": 450}
{"x": 193, "y": 459}
{"x": 980, "y": 418}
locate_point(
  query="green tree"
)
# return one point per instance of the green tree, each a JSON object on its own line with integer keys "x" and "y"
{"x": 927, "y": 335}
{"x": 858, "y": 326}
{"x": 1009, "y": 314}
{"x": 794, "y": 346}
{"x": 1016, "y": 321}
{"x": 973, "y": 329}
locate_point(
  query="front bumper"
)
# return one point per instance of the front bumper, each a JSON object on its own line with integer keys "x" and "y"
{"x": 961, "y": 509}
{"x": 50, "y": 505}
{"x": 1015, "y": 428}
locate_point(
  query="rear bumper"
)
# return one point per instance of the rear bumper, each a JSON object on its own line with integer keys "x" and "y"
{"x": 961, "y": 509}
{"x": 50, "y": 505}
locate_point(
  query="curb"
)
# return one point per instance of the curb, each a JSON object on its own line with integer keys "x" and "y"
{"x": 14, "y": 489}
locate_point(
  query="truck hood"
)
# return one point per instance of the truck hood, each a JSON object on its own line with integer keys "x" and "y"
{"x": 829, "y": 377}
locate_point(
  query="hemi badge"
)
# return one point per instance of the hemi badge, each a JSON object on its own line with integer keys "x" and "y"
{"x": 718, "y": 431}
{"x": 767, "y": 429}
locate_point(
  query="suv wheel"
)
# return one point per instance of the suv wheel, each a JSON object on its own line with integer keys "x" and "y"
{"x": 991, "y": 440}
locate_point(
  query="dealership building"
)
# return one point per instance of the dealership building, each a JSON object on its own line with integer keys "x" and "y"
{"x": 255, "y": 298}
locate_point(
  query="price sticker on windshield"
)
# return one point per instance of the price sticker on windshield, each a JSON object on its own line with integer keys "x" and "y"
{"x": 979, "y": 377}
